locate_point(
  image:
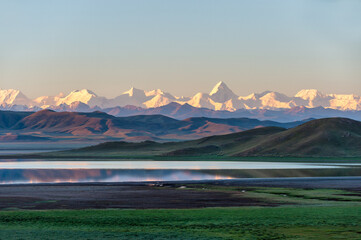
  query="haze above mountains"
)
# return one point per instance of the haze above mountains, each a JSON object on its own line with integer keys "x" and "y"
{"x": 220, "y": 98}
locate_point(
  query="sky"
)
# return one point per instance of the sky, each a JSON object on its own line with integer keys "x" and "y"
{"x": 181, "y": 47}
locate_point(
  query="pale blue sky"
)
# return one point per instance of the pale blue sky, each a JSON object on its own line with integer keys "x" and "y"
{"x": 182, "y": 47}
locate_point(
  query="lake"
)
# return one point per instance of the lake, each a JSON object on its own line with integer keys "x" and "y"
{"x": 30, "y": 171}
{"x": 11, "y": 148}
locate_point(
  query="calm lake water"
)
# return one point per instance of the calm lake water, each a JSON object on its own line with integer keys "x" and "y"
{"x": 24, "y": 148}
{"x": 30, "y": 171}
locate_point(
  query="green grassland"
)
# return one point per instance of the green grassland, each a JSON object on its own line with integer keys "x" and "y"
{"x": 301, "y": 214}
{"x": 289, "y": 196}
{"x": 341, "y": 222}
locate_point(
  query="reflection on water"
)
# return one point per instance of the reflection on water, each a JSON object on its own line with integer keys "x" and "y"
{"x": 12, "y": 176}
{"x": 32, "y": 171}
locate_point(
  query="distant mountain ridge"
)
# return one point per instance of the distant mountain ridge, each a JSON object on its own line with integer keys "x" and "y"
{"x": 220, "y": 98}
{"x": 178, "y": 111}
{"x": 99, "y": 126}
{"x": 329, "y": 137}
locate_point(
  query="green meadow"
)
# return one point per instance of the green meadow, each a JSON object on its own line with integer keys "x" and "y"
{"x": 326, "y": 222}
{"x": 299, "y": 214}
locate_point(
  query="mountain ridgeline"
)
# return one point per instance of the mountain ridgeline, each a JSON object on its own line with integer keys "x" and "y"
{"x": 221, "y": 97}
{"x": 49, "y": 125}
{"x": 331, "y": 137}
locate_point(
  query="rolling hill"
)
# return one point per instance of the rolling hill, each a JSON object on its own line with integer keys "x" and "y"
{"x": 322, "y": 137}
{"x": 10, "y": 118}
{"x": 331, "y": 137}
{"x": 48, "y": 124}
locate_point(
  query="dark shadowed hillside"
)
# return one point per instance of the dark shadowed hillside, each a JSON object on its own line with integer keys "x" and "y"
{"x": 9, "y": 118}
{"x": 105, "y": 127}
{"x": 318, "y": 138}
{"x": 322, "y": 137}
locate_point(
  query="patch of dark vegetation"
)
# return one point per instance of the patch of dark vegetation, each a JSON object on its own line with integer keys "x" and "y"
{"x": 38, "y": 197}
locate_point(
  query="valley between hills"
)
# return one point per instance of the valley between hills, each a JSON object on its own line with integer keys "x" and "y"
{"x": 316, "y": 140}
{"x": 48, "y": 126}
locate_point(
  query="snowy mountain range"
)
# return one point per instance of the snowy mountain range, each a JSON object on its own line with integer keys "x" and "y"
{"x": 221, "y": 97}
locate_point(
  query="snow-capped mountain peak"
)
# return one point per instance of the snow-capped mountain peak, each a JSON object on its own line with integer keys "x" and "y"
{"x": 309, "y": 94}
{"x": 220, "y": 85}
{"x": 314, "y": 97}
{"x": 220, "y": 98}
{"x": 134, "y": 92}
{"x": 222, "y": 93}
{"x": 12, "y": 96}
{"x": 154, "y": 92}
{"x": 83, "y": 96}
